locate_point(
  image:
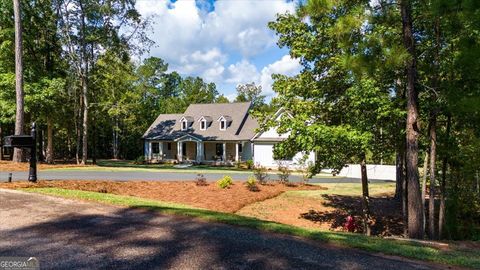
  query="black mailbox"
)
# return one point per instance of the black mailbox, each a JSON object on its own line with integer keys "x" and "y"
{"x": 19, "y": 141}
{"x": 26, "y": 141}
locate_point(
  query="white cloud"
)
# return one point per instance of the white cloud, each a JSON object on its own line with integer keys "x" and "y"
{"x": 285, "y": 66}
{"x": 186, "y": 36}
{"x": 231, "y": 97}
{"x": 196, "y": 42}
{"x": 242, "y": 72}
{"x": 207, "y": 64}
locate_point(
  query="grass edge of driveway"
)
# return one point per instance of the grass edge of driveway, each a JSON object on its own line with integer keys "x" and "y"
{"x": 407, "y": 249}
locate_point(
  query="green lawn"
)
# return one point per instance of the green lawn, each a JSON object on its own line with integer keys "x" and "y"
{"x": 467, "y": 258}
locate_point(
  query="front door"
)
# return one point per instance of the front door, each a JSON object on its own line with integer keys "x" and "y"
{"x": 184, "y": 149}
{"x": 219, "y": 150}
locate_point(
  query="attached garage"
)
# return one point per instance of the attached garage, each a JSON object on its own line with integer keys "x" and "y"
{"x": 264, "y": 142}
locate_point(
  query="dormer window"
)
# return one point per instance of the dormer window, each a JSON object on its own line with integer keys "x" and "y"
{"x": 225, "y": 121}
{"x": 186, "y": 122}
{"x": 205, "y": 122}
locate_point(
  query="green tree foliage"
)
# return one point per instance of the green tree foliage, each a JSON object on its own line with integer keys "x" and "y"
{"x": 90, "y": 44}
{"x": 349, "y": 99}
{"x": 251, "y": 92}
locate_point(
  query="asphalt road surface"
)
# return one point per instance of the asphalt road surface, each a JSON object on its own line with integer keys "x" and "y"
{"x": 155, "y": 176}
{"x": 66, "y": 234}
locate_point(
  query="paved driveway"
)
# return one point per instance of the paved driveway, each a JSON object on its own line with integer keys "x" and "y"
{"x": 154, "y": 176}
{"x": 65, "y": 234}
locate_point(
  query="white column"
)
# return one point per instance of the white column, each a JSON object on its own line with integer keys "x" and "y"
{"x": 179, "y": 151}
{"x": 160, "y": 150}
{"x": 146, "y": 153}
{"x": 224, "y": 151}
{"x": 236, "y": 152}
{"x": 199, "y": 151}
{"x": 150, "y": 154}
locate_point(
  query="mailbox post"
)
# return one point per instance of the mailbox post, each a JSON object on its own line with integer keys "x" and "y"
{"x": 26, "y": 141}
{"x": 32, "y": 172}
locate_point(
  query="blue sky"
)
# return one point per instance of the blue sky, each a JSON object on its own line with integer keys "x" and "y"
{"x": 226, "y": 42}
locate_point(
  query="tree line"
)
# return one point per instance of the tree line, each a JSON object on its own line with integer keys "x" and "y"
{"x": 81, "y": 83}
{"x": 390, "y": 78}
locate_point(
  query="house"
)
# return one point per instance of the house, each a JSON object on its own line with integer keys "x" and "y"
{"x": 263, "y": 143}
{"x": 218, "y": 134}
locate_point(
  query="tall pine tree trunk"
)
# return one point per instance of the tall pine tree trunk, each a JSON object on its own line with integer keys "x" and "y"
{"x": 405, "y": 203}
{"x": 49, "y": 158}
{"x": 19, "y": 116}
{"x": 400, "y": 153}
{"x": 433, "y": 160}
{"x": 84, "y": 83}
{"x": 40, "y": 137}
{"x": 399, "y": 158}
{"x": 443, "y": 183}
{"x": 367, "y": 220}
{"x": 424, "y": 185}
{"x": 78, "y": 129}
{"x": 433, "y": 135}
{"x": 85, "y": 121}
{"x": 115, "y": 139}
{"x": 415, "y": 213}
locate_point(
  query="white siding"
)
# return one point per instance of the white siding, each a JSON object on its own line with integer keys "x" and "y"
{"x": 272, "y": 133}
{"x": 263, "y": 155}
{"x": 263, "y": 148}
{"x": 374, "y": 171}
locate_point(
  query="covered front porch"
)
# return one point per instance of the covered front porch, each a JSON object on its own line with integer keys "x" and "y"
{"x": 189, "y": 149}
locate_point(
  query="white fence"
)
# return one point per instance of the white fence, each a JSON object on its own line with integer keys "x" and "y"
{"x": 374, "y": 171}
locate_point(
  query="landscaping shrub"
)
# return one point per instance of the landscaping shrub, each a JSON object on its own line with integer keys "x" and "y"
{"x": 249, "y": 164}
{"x": 305, "y": 169}
{"x": 283, "y": 172}
{"x": 139, "y": 160}
{"x": 200, "y": 180}
{"x": 225, "y": 182}
{"x": 252, "y": 184}
{"x": 102, "y": 190}
{"x": 260, "y": 173}
{"x": 238, "y": 164}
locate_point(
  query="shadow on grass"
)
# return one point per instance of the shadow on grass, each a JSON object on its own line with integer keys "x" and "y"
{"x": 387, "y": 219}
{"x": 375, "y": 244}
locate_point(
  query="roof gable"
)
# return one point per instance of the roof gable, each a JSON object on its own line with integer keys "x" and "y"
{"x": 241, "y": 125}
{"x": 271, "y": 133}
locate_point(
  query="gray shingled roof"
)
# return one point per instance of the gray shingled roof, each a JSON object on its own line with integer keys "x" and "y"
{"x": 241, "y": 127}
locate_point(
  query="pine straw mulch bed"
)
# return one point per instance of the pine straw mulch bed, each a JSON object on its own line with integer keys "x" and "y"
{"x": 9, "y": 166}
{"x": 210, "y": 197}
{"x": 330, "y": 212}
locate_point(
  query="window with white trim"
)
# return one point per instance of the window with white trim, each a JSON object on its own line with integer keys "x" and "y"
{"x": 184, "y": 125}
{"x": 155, "y": 148}
{"x": 223, "y": 125}
{"x": 203, "y": 125}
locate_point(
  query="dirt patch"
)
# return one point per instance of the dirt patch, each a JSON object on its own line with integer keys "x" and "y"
{"x": 329, "y": 212}
{"x": 210, "y": 197}
{"x": 8, "y": 166}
